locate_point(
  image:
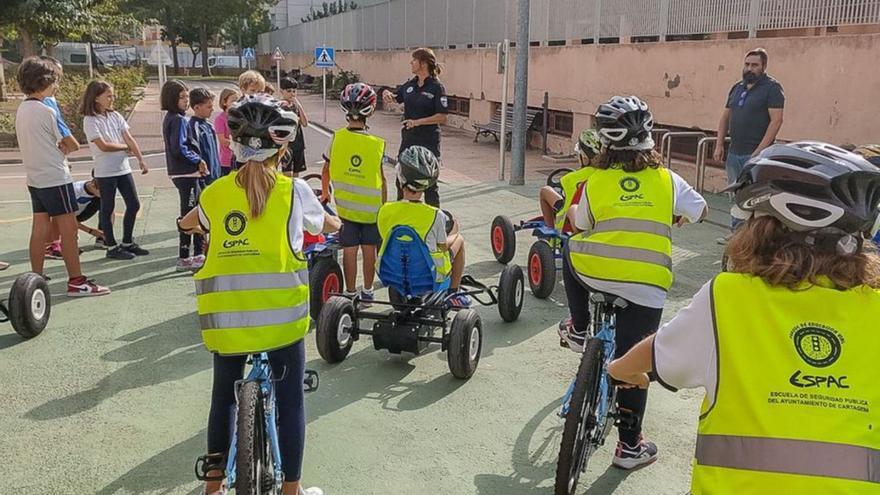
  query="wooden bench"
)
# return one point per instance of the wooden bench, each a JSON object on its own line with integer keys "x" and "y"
{"x": 493, "y": 128}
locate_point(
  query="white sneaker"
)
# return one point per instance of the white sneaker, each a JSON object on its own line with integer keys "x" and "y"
{"x": 311, "y": 491}
{"x": 184, "y": 264}
{"x": 631, "y": 457}
{"x": 198, "y": 262}
{"x": 568, "y": 337}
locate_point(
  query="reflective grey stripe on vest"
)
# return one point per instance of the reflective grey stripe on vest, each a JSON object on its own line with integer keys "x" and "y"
{"x": 351, "y": 205}
{"x": 778, "y": 455}
{"x": 225, "y": 283}
{"x": 633, "y": 225}
{"x": 246, "y": 319}
{"x": 621, "y": 253}
{"x": 363, "y": 191}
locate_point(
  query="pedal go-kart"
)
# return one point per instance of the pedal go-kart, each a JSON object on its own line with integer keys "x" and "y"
{"x": 420, "y": 311}
{"x": 322, "y": 253}
{"x": 544, "y": 251}
{"x": 29, "y": 305}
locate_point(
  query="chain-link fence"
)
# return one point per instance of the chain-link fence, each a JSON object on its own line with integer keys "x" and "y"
{"x": 402, "y": 24}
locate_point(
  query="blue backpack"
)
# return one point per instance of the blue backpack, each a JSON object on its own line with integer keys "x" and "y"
{"x": 407, "y": 266}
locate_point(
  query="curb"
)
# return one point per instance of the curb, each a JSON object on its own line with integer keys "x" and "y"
{"x": 17, "y": 161}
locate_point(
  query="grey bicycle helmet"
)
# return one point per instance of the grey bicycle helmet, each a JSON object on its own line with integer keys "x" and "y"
{"x": 417, "y": 168}
{"x": 625, "y": 123}
{"x": 811, "y": 187}
{"x": 588, "y": 143}
{"x": 260, "y": 126}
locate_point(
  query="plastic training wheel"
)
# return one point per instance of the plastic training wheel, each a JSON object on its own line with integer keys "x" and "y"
{"x": 30, "y": 304}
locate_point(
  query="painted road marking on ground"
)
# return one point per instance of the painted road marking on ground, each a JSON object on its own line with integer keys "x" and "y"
{"x": 78, "y": 162}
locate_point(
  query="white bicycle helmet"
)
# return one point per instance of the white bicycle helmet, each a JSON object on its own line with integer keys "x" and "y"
{"x": 625, "y": 123}
{"x": 812, "y": 187}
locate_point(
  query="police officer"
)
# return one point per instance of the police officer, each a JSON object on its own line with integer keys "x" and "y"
{"x": 785, "y": 344}
{"x": 424, "y": 110}
{"x": 252, "y": 292}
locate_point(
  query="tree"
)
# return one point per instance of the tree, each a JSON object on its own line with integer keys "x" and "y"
{"x": 327, "y": 10}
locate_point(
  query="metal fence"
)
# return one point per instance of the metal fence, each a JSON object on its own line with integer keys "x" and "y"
{"x": 401, "y": 24}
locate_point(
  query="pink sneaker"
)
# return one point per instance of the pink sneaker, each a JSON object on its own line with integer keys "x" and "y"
{"x": 53, "y": 251}
{"x": 83, "y": 287}
{"x": 198, "y": 262}
{"x": 184, "y": 265}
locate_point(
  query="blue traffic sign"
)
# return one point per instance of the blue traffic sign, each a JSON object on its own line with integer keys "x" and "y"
{"x": 325, "y": 57}
{"x": 248, "y": 54}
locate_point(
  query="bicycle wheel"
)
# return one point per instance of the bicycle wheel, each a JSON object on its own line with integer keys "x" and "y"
{"x": 251, "y": 460}
{"x": 580, "y": 422}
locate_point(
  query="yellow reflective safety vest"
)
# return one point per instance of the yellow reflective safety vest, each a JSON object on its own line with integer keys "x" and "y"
{"x": 356, "y": 174}
{"x": 421, "y": 218}
{"x": 797, "y": 407}
{"x": 631, "y": 238}
{"x": 570, "y": 183}
{"x": 253, "y": 292}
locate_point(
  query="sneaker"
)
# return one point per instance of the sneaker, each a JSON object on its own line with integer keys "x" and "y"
{"x": 311, "y": 491}
{"x": 99, "y": 244}
{"x": 724, "y": 239}
{"x": 351, "y": 294}
{"x": 135, "y": 249}
{"x": 184, "y": 264}
{"x": 53, "y": 252}
{"x": 642, "y": 454}
{"x": 570, "y": 338}
{"x": 119, "y": 253}
{"x": 367, "y": 298}
{"x": 198, "y": 262}
{"x": 85, "y": 288}
{"x": 459, "y": 300}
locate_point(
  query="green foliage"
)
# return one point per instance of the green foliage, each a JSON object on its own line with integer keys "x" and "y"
{"x": 335, "y": 82}
{"x": 330, "y": 9}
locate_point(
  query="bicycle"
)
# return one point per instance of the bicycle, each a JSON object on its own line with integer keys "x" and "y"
{"x": 589, "y": 405}
{"x": 253, "y": 464}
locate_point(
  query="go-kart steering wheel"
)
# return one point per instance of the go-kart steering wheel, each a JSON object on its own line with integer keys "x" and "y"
{"x": 554, "y": 179}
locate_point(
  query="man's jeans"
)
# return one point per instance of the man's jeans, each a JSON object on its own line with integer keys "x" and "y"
{"x": 734, "y": 166}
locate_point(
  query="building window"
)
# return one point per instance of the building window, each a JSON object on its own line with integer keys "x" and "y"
{"x": 560, "y": 123}
{"x": 459, "y": 106}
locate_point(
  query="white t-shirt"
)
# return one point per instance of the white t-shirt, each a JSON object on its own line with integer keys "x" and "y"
{"x": 38, "y": 138}
{"x": 687, "y": 202}
{"x": 307, "y": 214}
{"x": 684, "y": 348}
{"x": 110, "y": 127}
{"x": 82, "y": 195}
{"x": 437, "y": 234}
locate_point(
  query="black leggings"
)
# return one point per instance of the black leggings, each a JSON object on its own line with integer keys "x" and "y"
{"x": 108, "y": 187}
{"x": 634, "y": 323}
{"x": 289, "y": 403}
{"x": 189, "y": 189}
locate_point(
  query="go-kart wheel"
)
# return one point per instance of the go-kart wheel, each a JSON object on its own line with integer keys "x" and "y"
{"x": 335, "y": 325}
{"x": 542, "y": 270}
{"x": 312, "y": 177}
{"x": 325, "y": 278}
{"x": 503, "y": 239}
{"x": 555, "y": 178}
{"x": 511, "y": 287}
{"x": 465, "y": 344}
{"x": 30, "y": 303}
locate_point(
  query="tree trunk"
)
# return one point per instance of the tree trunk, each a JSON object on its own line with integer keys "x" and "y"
{"x": 27, "y": 43}
{"x": 174, "y": 57}
{"x": 203, "y": 41}
{"x": 2, "y": 74}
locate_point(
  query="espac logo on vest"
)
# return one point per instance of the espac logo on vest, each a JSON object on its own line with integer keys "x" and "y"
{"x": 630, "y": 185}
{"x": 819, "y": 346}
{"x": 356, "y": 161}
{"x": 235, "y": 223}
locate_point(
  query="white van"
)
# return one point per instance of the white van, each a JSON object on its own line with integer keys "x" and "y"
{"x": 225, "y": 62}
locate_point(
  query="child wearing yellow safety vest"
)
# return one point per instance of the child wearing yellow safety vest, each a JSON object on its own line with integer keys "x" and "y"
{"x": 624, "y": 248}
{"x": 785, "y": 344}
{"x": 558, "y": 211}
{"x": 353, "y": 165}
{"x": 417, "y": 171}
{"x": 253, "y": 293}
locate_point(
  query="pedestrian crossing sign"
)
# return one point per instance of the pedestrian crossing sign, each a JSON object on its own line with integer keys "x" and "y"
{"x": 325, "y": 57}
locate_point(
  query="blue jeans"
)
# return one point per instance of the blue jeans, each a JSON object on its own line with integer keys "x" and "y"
{"x": 734, "y": 166}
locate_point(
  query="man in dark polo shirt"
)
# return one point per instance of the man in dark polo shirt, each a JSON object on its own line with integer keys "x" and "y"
{"x": 752, "y": 114}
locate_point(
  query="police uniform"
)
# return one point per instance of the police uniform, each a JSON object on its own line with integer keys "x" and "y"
{"x": 420, "y": 102}
{"x": 791, "y": 396}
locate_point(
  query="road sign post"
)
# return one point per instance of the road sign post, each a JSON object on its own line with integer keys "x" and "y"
{"x": 325, "y": 58}
{"x": 278, "y": 57}
{"x": 249, "y": 55}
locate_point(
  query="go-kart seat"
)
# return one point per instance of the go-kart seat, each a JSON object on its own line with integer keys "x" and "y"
{"x": 406, "y": 265}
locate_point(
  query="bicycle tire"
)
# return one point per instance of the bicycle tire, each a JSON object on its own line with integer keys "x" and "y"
{"x": 250, "y": 458}
{"x": 576, "y": 446}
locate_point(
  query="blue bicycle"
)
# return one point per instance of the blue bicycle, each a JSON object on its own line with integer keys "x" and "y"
{"x": 590, "y": 403}
{"x": 253, "y": 463}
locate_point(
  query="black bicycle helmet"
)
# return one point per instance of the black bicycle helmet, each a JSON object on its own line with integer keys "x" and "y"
{"x": 811, "y": 187}
{"x": 625, "y": 123}
{"x": 417, "y": 168}
{"x": 260, "y": 126}
{"x": 358, "y": 101}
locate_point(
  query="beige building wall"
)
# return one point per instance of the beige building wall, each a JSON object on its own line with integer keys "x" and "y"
{"x": 832, "y": 83}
